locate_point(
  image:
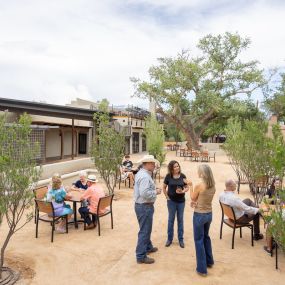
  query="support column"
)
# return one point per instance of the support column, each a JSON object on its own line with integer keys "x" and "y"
{"x": 61, "y": 143}
{"x": 140, "y": 142}
{"x": 72, "y": 140}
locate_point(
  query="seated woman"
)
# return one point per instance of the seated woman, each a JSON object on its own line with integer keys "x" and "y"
{"x": 56, "y": 194}
{"x": 80, "y": 184}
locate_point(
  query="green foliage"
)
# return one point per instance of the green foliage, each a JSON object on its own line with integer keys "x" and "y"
{"x": 275, "y": 103}
{"x": 276, "y": 217}
{"x": 172, "y": 133}
{"x": 192, "y": 91}
{"x": 18, "y": 175}
{"x": 251, "y": 151}
{"x": 154, "y": 138}
{"x": 249, "y": 148}
{"x": 243, "y": 109}
{"x": 103, "y": 105}
{"x": 107, "y": 150}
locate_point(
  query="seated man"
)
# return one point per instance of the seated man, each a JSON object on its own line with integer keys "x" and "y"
{"x": 245, "y": 211}
{"x": 126, "y": 169}
{"x": 92, "y": 194}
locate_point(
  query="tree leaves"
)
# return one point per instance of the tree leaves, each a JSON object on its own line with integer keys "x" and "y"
{"x": 206, "y": 82}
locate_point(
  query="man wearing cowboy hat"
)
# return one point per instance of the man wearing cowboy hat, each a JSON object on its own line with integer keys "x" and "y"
{"x": 93, "y": 193}
{"x": 145, "y": 196}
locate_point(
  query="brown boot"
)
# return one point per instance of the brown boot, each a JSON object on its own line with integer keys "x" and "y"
{"x": 90, "y": 227}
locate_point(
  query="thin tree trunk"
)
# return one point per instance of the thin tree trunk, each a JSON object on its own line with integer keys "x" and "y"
{"x": 3, "y": 248}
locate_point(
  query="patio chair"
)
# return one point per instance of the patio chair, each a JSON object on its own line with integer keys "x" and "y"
{"x": 48, "y": 216}
{"x": 232, "y": 223}
{"x": 195, "y": 155}
{"x": 40, "y": 193}
{"x": 212, "y": 155}
{"x": 104, "y": 203}
{"x": 204, "y": 155}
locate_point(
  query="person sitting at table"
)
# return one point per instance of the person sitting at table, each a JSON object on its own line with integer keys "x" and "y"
{"x": 126, "y": 169}
{"x": 56, "y": 194}
{"x": 93, "y": 193}
{"x": 271, "y": 191}
{"x": 269, "y": 196}
{"x": 245, "y": 211}
{"x": 269, "y": 239}
{"x": 80, "y": 184}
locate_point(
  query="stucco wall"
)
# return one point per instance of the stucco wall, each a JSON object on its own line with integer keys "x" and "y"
{"x": 53, "y": 141}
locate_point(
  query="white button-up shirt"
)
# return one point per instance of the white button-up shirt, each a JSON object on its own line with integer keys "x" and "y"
{"x": 240, "y": 208}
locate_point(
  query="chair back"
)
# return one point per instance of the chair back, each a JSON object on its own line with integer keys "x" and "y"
{"x": 40, "y": 192}
{"x": 261, "y": 181}
{"x": 205, "y": 153}
{"x": 228, "y": 211}
{"x": 44, "y": 207}
{"x": 105, "y": 202}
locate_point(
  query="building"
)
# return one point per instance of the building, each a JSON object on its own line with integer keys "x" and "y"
{"x": 63, "y": 132}
{"x": 128, "y": 120}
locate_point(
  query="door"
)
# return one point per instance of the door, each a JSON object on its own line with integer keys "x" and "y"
{"x": 136, "y": 142}
{"x": 82, "y": 143}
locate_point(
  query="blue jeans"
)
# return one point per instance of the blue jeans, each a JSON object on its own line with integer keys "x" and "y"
{"x": 85, "y": 214}
{"x": 174, "y": 207}
{"x": 201, "y": 226}
{"x": 144, "y": 214}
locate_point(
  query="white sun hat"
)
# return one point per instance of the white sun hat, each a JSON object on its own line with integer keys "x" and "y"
{"x": 148, "y": 158}
{"x": 92, "y": 178}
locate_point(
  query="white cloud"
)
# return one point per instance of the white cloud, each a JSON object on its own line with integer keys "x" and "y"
{"x": 56, "y": 51}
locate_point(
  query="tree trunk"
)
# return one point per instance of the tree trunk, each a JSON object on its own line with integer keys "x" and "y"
{"x": 3, "y": 248}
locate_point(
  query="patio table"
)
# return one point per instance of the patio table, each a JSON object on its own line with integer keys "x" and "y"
{"x": 75, "y": 198}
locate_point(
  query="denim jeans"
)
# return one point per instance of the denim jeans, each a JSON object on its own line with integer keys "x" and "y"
{"x": 144, "y": 214}
{"x": 174, "y": 207}
{"x": 85, "y": 214}
{"x": 201, "y": 226}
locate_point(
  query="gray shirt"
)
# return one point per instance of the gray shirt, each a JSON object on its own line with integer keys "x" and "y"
{"x": 144, "y": 190}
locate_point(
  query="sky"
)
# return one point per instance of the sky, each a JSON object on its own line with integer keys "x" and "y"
{"x": 55, "y": 51}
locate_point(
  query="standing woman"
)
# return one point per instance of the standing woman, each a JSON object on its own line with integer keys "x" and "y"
{"x": 202, "y": 197}
{"x": 174, "y": 188}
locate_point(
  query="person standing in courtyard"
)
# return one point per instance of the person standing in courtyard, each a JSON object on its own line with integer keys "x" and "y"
{"x": 202, "y": 197}
{"x": 174, "y": 188}
{"x": 145, "y": 194}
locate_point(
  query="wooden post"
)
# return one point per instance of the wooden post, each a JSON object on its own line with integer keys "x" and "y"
{"x": 72, "y": 140}
{"x": 61, "y": 143}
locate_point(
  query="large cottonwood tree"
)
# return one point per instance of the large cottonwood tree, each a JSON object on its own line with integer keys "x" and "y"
{"x": 192, "y": 91}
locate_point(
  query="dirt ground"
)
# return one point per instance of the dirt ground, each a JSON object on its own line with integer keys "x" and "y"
{"x": 82, "y": 257}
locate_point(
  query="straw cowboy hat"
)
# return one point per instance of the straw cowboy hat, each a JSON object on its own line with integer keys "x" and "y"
{"x": 148, "y": 158}
{"x": 92, "y": 178}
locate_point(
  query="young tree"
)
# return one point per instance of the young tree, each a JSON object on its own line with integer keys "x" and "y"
{"x": 18, "y": 175}
{"x": 253, "y": 153}
{"x": 107, "y": 148}
{"x": 193, "y": 91}
{"x": 154, "y": 138}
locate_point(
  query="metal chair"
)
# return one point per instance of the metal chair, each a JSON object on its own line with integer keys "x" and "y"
{"x": 48, "y": 216}
{"x": 104, "y": 208}
{"x": 40, "y": 193}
